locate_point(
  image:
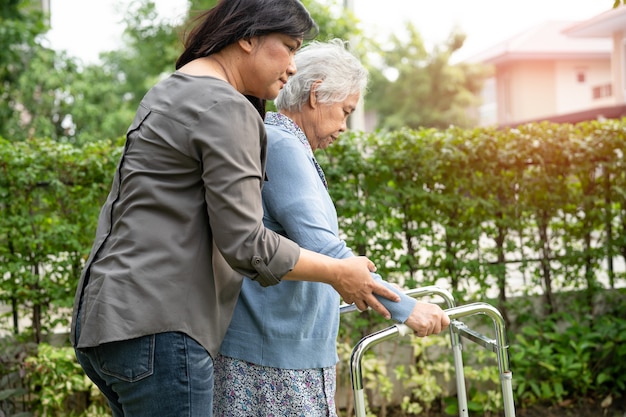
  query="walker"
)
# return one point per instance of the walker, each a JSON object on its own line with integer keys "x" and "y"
{"x": 457, "y": 329}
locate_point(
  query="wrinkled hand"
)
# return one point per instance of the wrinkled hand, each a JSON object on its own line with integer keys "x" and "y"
{"x": 427, "y": 319}
{"x": 357, "y": 286}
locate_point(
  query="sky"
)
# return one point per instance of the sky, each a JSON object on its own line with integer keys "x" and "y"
{"x": 86, "y": 27}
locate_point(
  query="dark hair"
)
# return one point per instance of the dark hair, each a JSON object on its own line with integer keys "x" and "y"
{"x": 232, "y": 20}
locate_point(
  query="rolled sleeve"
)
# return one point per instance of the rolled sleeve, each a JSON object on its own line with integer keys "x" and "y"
{"x": 270, "y": 273}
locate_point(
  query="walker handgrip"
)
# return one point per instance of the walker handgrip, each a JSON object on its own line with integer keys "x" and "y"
{"x": 403, "y": 329}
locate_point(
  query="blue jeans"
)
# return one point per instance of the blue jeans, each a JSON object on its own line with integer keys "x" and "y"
{"x": 165, "y": 375}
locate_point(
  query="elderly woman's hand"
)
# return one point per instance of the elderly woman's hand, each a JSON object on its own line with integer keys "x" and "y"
{"x": 427, "y": 319}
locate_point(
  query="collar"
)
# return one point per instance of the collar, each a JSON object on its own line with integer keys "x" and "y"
{"x": 279, "y": 119}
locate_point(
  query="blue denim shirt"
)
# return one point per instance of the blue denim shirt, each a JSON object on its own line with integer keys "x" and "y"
{"x": 294, "y": 324}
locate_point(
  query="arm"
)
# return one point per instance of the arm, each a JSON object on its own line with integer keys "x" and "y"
{"x": 350, "y": 277}
{"x": 297, "y": 205}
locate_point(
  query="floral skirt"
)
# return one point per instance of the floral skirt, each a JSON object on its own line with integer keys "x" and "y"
{"x": 243, "y": 389}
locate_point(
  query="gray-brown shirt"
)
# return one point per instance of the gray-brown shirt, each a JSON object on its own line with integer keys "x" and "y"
{"x": 183, "y": 221}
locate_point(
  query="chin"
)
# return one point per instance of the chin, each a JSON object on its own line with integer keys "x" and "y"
{"x": 272, "y": 95}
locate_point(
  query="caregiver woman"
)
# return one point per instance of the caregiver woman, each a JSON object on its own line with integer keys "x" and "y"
{"x": 183, "y": 220}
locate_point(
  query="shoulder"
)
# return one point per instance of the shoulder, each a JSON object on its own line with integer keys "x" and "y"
{"x": 278, "y": 136}
{"x": 283, "y": 146}
{"x": 278, "y": 132}
{"x": 199, "y": 94}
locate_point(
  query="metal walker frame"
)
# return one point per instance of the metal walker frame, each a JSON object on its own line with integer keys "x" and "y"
{"x": 457, "y": 328}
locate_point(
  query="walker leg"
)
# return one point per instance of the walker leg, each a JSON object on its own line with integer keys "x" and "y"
{"x": 507, "y": 394}
{"x": 455, "y": 340}
{"x": 359, "y": 403}
{"x": 460, "y": 380}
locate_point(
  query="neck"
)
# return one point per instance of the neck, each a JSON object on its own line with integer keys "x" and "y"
{"x": 207, "y": 66}
{"x": 292, "y": 115}
{"x": 219, "y": 68}
{"x": 211, "y": 66}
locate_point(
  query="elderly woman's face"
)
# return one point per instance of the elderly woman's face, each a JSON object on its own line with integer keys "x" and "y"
{"x": 328, "y": 121}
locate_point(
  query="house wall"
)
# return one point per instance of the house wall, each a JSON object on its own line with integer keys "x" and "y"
{"x": 488, "y": 111}
{"x": 618, "y": 66}
{"x": 526, "y": 90}
{"x": 575, "y": 94}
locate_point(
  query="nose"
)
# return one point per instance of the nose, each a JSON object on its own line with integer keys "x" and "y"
{"x": 291, "y": 69}
{"x": 344, "y": 125}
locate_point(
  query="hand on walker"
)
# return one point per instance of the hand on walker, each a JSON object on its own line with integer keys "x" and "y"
{"x": 357, "y": 285}
{"x": 427, "y": 319}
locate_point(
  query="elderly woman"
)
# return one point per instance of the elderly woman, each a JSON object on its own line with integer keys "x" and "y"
{"x": 279, "y": 354}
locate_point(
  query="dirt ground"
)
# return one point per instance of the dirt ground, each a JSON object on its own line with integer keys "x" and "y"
{"x": 583, "y": 410}
{"x": 586, "y": 408}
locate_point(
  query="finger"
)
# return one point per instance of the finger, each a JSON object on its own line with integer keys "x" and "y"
{"x": 361, "y": 306}
{"x": 371, "y": 266}
{"x": 385, "y": 292}
{"x": 428, "y": 329}
{"x": 378, "y": 307}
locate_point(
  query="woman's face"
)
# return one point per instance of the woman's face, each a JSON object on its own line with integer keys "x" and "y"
{"x": 322, "y": 123}
{"x": 270, "y": 65}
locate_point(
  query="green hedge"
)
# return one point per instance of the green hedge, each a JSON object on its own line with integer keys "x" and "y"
{"x": 484, "y": 212}
{"x": 50, "y": 196}
{"x": 466, "y": 208}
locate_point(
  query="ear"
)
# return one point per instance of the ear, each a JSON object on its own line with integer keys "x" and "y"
{"x": 247, "y": 44}
{"x": 313, "y": 93}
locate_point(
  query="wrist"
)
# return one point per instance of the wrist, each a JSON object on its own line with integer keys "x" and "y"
{"x": 335, "y": 272}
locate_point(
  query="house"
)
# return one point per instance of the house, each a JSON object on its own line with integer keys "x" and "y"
{"x": 559, "y": 71}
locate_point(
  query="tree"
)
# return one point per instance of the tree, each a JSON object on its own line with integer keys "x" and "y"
{"x": 153, "y": 43}
{"x": 151, "y": 46}
{"x": 20, "y": 24}
{"x": 57, "y": 98}
{"x": 412, "y": 88}
{"x": 47, "y": 94}
{"x": 50, "y": 194}
{"x": 333, "y": 20}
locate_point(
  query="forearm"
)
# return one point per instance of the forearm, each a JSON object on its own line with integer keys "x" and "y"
{"x": 316, "y": 267}
{"x": 350, "y": 277}
{"x": 400, "y": 311}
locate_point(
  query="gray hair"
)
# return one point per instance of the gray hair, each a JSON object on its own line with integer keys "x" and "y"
{"x": 342, "y": 75}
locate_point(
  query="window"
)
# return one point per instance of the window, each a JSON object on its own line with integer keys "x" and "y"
{"x": 601, "y": 91}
